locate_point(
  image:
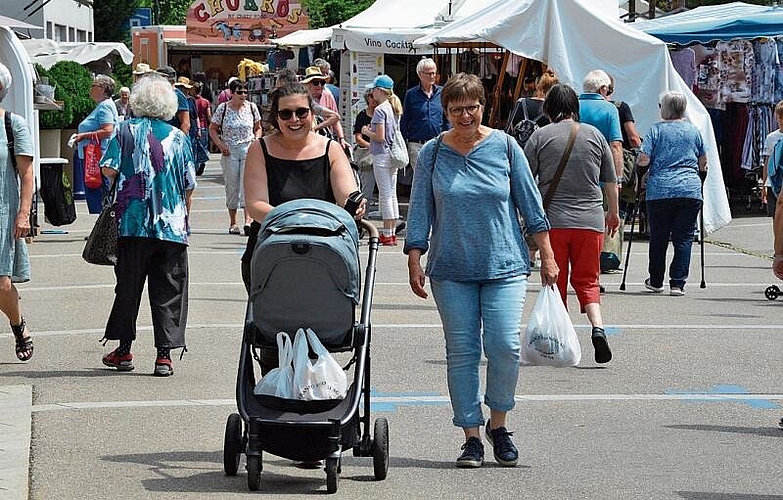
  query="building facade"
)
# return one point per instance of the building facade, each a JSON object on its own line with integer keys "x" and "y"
{"x": 60, "y": 20}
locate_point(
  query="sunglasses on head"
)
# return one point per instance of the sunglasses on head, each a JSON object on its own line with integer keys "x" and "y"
{"x": 240, "y": 91}
{"x": 287, "y": 114}
{"x": 318, "y": 83}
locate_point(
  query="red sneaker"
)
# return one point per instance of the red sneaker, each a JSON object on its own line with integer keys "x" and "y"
{"x": 163, "y": 368}
{"x": 122, "y": 363}
{"x": 388, "y": 241}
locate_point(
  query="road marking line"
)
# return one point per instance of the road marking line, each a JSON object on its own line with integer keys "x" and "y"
{"x": 417, "y": 400}
{"x": 408, "y": 326}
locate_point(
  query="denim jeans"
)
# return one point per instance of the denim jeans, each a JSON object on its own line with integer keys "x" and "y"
{"x": 673, "y": 218}
{"x": 467, "y": 308}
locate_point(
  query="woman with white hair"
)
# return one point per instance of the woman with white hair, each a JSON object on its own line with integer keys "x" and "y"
{"x": 674, "y": 151}
{"x": 152, "y": 164}
{"x": 16, "y": 195}
{"x": 99, "y": 125}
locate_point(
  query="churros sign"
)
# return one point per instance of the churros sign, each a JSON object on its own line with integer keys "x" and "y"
{"x": 242, "y": 22}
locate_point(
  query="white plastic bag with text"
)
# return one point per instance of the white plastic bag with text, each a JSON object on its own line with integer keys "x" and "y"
{"x": 550, "y": 338}
{"x": 321, "y": 378}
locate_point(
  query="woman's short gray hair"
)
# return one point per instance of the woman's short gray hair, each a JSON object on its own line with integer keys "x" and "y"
{"x": 5, "y": 81}
{"x": 153, "y": 97}
{"x": 673, "y": 105}
{"x": 106, "y": 83}
{"x": 594, "y": 80}
{"x": 425, "y": 63}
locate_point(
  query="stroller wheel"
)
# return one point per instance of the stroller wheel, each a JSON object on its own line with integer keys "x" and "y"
{"x": 232, "y": 445}
{"x": 332, "y": 474}
{"x": 772, "y": 292}
{"x": 254, "y": 472}
{"x": 380, "y": 449}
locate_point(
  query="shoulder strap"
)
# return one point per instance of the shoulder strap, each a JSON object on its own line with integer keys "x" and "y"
{"x": 559, "y": 173}
{"x": 263, "y": 148}
{"x": 524, "y": 109}
{"x": 9, "y": 135}
{"x": 437, "y": 147}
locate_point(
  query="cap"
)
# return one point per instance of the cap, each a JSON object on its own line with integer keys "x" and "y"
{"x": 313, "y": 73}
{"x": 142, "y": 69}
{"x": 384, "y": 82}
{"x": 168, "y": 72}
{"x": 183, "y": 81}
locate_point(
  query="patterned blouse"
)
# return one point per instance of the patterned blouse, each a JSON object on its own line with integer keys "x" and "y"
{"x": 237, "y": 126}
{"x": 155, "y": 170}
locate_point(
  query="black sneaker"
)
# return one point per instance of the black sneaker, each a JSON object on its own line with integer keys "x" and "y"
{"x": 602, "y": 352}
{"x": 505, "y": 452}
{"x": 472, "y": 454}
{"x": 780, "y": 424}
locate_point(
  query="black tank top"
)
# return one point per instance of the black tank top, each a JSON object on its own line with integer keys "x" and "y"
{"x": 294, "y": 179}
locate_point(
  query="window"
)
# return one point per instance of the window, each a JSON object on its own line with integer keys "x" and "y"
{"x": 89, "y": 36}
{"x": 60, "y": 34}
{"x": 71, "y": 35}
{"x": 49, "y": 30}
{"x": 81, "y": 36}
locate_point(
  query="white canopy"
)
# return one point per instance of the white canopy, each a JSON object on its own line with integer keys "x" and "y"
{"x": 48, "y": 52}
{"x": 303, "y": 38}
{"x": 572, "y": 39}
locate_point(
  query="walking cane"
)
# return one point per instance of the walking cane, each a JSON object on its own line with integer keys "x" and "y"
{"x": 634, "y": 213}
{"x": 701, "y": 229}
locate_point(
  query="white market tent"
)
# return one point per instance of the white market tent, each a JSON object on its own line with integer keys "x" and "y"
{"x": 48, "y": 52}
{"x": 573, "y": 40}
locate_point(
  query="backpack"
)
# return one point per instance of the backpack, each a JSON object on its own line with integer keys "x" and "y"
{"x": 523, "y": 129}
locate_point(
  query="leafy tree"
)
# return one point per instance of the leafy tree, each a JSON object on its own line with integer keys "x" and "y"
{"x": 667, "y": 5}
{"x": 325, "y": 13}
{"x": 167, "y": 11}
{"x": 110, "y": 19}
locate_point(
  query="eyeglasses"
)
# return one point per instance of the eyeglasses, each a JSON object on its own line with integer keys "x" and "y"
{"x": 318, "y": 83}
{"x": 461, "y": 109}
{"x": 609, "y": 90}
{"x": 240, "y": 92}
{"x": 429, "y": 73}
{"x": 287, "y": 114}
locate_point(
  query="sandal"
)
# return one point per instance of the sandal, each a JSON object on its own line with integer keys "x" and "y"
{"x": 233, "y": 229}
{"x": 24, "y": 345}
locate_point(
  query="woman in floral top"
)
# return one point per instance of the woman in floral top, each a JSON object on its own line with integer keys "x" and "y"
{"x": 235, "y": 125}
{"x": 152, "y": 165}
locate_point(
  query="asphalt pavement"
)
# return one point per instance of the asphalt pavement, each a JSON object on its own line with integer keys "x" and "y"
{"x": 687, "y": 409}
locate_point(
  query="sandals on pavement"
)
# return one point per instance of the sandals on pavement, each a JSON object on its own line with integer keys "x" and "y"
{"x": 24, "y": 345}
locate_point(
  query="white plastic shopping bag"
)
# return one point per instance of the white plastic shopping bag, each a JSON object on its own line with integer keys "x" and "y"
{"x": 550, "y": 338}
{"x": 321, "y": 378}
{"x": 279, "y": 381}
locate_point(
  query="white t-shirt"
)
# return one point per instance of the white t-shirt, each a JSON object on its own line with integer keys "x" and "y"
{"x": 769, "y": 147}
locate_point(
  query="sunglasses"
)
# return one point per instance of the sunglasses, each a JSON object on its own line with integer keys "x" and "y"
{"x": 287, "y": 114}
{"x": 461, "y": 109}
{"x": 240, "y": 92}
{"x": 318, "y": 83}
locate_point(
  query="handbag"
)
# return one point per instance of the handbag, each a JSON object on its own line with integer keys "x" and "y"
{"x": 279, "y": 381}
{"x": 92, "y": 158}
{"x": 399, "y": 152}
{"x": 101, "y": 246}
{"x": 322, "y": 378}
{"x": 550, "y": 338}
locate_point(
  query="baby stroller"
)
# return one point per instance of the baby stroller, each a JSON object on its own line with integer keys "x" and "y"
{"x": 305, "y": 274}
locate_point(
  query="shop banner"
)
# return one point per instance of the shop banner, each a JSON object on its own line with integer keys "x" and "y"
{"x": 242, "y": 22}
{"x": 379, "y": 41}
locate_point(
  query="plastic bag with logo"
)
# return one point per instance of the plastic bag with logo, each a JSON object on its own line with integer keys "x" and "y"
{"x": 321, "y": 378}
{"x": 550, "y": 338}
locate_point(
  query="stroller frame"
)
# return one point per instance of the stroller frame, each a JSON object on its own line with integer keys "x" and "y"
{"x": 267, "y": 423}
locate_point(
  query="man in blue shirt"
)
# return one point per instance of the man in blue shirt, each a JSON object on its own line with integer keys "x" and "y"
{"x": 596, "y": 110}
{"x": 422, "y": 113}
{"x": 181, "y": 118}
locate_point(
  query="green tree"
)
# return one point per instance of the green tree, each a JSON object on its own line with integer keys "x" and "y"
{"x": 325, "y": 13}
{"x": 667, "y": 5}
{"x": 110, "y": 19}
{"x": 167, "y": 11}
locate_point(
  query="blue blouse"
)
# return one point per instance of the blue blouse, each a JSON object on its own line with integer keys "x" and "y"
{"x": 105, "y": 112}
{"x": 674, "y": 148}
{"x": 465, "y": 210}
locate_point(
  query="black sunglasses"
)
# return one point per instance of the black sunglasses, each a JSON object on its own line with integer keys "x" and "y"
{"x": 318, "y": 83}
{"x": 244, "y": 91}
{"x": 286, "y": 114}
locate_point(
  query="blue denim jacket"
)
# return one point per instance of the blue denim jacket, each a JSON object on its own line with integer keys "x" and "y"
{"x": 422, "y": 116}
{"x": 465, "y": 210}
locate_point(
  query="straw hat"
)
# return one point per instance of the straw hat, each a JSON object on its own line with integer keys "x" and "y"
{"x": 313, "y": 73}
{"x": 184, "y": 82}
{"x": 143, "y": 69}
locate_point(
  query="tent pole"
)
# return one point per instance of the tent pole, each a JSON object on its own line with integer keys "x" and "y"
{"x": 520, "y": 79}
{"x": 493, "y": 113}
